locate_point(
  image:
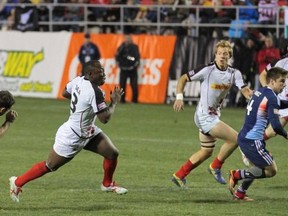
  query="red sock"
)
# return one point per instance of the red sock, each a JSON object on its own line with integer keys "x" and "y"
{"x": 240, "y": 194}
{"x": 36, "y": 171}
{"x": 217, "y": 164}
{"x": 185, "y": 169}
{"x": 109, "y": 167}
{"x": 237, "y": 175}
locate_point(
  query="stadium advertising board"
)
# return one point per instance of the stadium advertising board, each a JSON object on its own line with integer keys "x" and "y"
{"x": 36, "y": 64}
{"x": 156, "y": 53}
{"x": 31, "y": 64}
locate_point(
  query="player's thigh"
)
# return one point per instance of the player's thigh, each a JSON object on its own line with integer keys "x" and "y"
{"x": 223, "y": 131}
{"x": 207, "y": 141}
{"x": 283, "y": 116}
{"x": 205, "y": 122}
{"x": 256, "y": 152}
{"x": 102, "y": 144}
{"x": 67, "y": 143}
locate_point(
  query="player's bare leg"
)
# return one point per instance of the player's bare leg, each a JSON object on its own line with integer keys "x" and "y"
{"x": 224, "y": 132}
{"x": 53, "y": 162}
{"x": 207, "y": 148}
{"x": 102, "y": 145}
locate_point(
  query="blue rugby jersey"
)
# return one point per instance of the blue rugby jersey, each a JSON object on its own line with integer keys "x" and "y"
{"x": 262, "y": 109}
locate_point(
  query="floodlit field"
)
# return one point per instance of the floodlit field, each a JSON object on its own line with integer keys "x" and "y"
{"x": 153, "y": 142}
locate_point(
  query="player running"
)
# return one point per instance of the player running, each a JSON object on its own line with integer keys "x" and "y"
{"x": 79, "y": 132}
{"x": 263, "y": 108}
{"x": 216, "y": 80}
{"x": 283, "y": 113}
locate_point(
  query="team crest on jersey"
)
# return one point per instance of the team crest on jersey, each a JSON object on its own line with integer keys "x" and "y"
{"x": 257, "y": 93}
{"x": 191, "y": 73}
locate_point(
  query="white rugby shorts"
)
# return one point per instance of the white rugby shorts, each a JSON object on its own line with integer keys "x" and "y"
{"x": 283, "y": 113}
{"x": 205, "y": 122}
{"x": 68, "y": 144}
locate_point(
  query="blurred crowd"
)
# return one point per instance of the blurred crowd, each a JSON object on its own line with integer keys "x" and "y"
{"x": 264, "y": 12}
{"x": 254, "y": 47}
{"x": 251, "y": 56}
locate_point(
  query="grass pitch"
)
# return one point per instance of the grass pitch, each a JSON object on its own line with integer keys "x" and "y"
{"x": 154, "y": 142}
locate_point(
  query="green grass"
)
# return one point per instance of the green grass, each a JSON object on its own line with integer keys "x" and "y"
{"x": 153, "y": 142}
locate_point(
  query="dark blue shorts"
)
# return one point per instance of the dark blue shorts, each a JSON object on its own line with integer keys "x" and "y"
{"x": 255, "y": 151}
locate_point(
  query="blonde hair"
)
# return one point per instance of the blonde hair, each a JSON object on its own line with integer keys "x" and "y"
{"x": 225, "y": 44}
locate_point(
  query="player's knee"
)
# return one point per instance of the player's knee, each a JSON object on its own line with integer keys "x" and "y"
{"x": 270, "y": 173}
{"x": 113, "y": 154}
{"x": 51, "y": 168}
{"x": 207, "y": 152}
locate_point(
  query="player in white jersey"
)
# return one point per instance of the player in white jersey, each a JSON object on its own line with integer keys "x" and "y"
{"x": 216, "y": 79}
{"x": 79, "y": 132}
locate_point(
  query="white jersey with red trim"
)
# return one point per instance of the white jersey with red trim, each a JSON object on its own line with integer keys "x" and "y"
{"x": 215, "y": 85}
{"x": 86, "y": 101}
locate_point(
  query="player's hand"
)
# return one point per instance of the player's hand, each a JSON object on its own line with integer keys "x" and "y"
{"x": 11, "y": 116}
{"x": 178, "y": 105}
{"x": 116, "y": 95}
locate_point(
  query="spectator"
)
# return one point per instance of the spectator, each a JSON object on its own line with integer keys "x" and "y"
{"x": 250, "y": 65}
{"x": 248, "y": 13}
{"x": 222, "y": 16}
{"x": 6, "y": 12}
{"x": 74, "y": 13}
{"x": 282, "y": 4}
{"x": 25, "y": 18}
{"x": 192, "y": 17}
{"x": 58, "y": 15}
{"x": 143, "y": 10}
{"x": 112, "y": 15}
{"x": 267, "y": 14}
{"x": 128, "y": 59}
{"x": 129, "y": 16}
{"x": 88, "y": 51}
{"x": 179, "y": 15}
{"x": 245, "y": 57}
{"x": 43, "y": 12}
{"x": 206, "y": 15}
{"x": 266, "y": 55}
{"x": 238, "y": 59}
{"x": 98, "y": 12}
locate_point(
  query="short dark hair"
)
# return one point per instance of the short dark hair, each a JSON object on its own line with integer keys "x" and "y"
{"x": 6, "y": 99}
{"x": 274, "y": 73}
{"x": 91, "y": 65}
